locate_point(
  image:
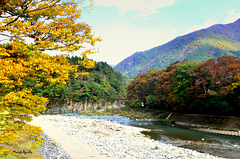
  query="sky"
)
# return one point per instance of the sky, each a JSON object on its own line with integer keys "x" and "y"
{"x": 129, "y": 26}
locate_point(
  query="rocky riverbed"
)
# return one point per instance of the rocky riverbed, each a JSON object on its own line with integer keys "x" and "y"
{"x": 113, "y": 140}
{"x": 50, "y": 150}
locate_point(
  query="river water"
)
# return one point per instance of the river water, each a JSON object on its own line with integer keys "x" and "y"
{"x": 215, "y": 144}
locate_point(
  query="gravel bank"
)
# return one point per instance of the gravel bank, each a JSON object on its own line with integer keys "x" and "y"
{"x": 109, "y": 139}
{"x": 51, "y": 150}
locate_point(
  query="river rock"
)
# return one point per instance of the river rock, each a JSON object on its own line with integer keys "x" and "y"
{"x": 117, "y": 141}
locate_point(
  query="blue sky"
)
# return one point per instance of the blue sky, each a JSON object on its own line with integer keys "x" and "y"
{"x": 128, "y": 26}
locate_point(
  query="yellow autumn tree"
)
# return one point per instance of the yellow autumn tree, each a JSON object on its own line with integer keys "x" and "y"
{"x": 31, "y": 27}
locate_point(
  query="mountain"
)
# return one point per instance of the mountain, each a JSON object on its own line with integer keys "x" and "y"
{"x": 212, "y": 42}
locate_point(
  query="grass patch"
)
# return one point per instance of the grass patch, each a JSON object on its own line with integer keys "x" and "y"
{"x": 23, "y": 150}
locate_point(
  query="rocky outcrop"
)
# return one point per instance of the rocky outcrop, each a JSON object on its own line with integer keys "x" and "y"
{"x": 70, "y": 106}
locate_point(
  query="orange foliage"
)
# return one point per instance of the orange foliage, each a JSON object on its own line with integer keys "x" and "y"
{"x": 50, "y": 25}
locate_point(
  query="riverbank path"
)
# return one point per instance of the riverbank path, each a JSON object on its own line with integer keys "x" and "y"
{"x": 72, "y": 146}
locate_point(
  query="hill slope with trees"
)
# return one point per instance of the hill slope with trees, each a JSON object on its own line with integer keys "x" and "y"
{"x": 99, "y": 84}
{"x": 102, "y": 83}
{"x": 210, "y": 87}
{"x": 213, "y": 42}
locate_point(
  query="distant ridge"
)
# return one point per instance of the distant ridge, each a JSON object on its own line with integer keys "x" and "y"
{"x": 212, "y": 42}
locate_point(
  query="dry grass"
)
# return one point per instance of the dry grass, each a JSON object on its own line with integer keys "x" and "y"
{"x": 23, "y": 150}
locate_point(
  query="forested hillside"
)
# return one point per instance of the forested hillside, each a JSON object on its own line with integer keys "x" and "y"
{"x": 210, "y": 87}
{"x": 213, "y": 42}
{"x": 100, "y": 83}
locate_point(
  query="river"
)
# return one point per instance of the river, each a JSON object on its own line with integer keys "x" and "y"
{"x": 215, "y": 144}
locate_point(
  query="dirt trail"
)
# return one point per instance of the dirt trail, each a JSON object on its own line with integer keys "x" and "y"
{"x": 69, "y": 144}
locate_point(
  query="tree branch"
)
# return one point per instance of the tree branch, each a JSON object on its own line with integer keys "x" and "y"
{"x": 43, "y": 7}
{"x": 11, "y": 36}
{"x": 20, "y": 15}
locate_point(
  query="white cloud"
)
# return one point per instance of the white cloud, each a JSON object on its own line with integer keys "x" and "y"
{"x": 232, "y": 16}
{"x": 122, "y": 40}
{"x": 144, "y": 7}
{"x": 206, "y": 24}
